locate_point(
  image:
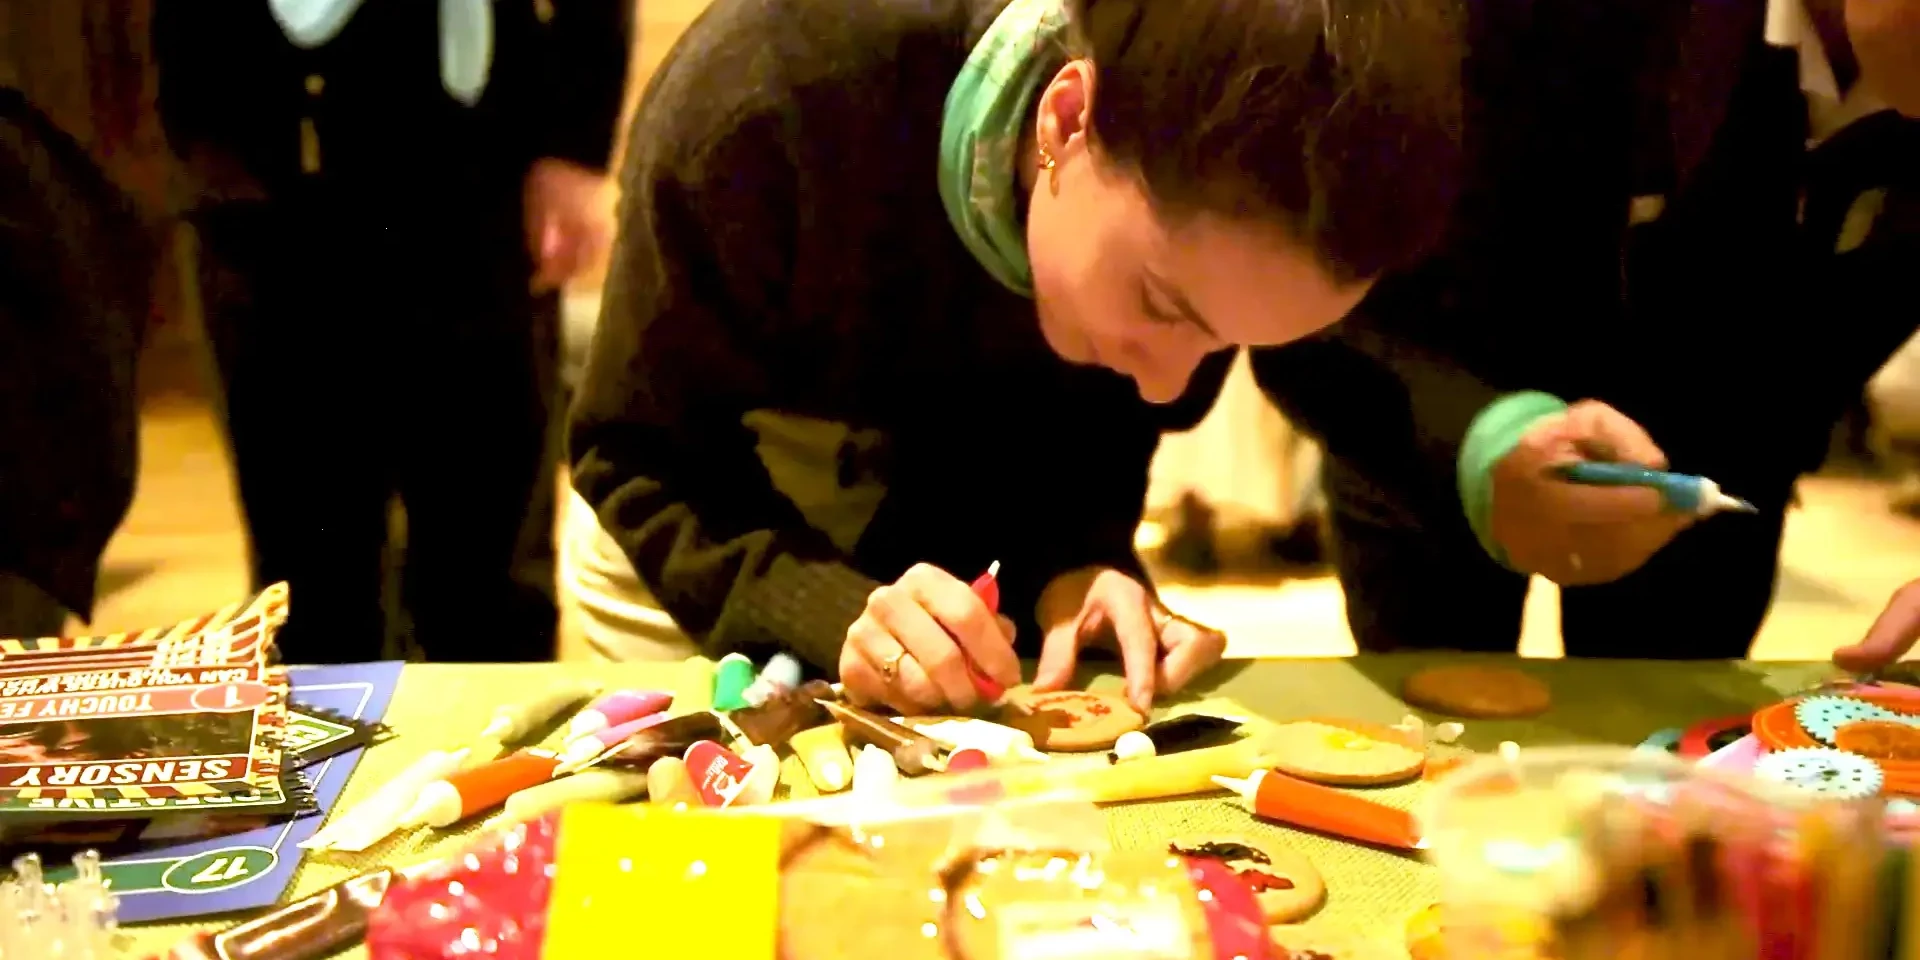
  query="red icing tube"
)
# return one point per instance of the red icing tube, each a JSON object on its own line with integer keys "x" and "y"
{"x": 1236, "y": 926}
{"x": 987, "y": 588}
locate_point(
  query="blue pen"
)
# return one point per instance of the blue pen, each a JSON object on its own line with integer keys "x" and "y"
{"x": 1679, "y": 492}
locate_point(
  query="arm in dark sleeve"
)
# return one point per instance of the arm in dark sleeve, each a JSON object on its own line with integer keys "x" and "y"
{"x": 697, "y": 286}
{"x": 583, "y": 80}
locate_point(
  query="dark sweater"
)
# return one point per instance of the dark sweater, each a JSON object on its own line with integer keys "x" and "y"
{"x": 234, "y": 91}
{"x": 783, "y": 248}
{"x": 75, "y": 267}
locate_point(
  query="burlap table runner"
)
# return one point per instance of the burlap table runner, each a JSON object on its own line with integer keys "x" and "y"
{"x": 1370, "y": 893}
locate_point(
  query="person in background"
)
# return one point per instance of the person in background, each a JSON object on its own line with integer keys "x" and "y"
{"x": 1673, "y": 141}
{"x": 886, "y": 268}
{"x": 393, "y": 191}
{"x": 1885, "y": 37}
{"x": 75, "y": 264}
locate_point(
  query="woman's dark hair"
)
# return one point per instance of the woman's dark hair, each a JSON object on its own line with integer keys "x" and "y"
{"x": 1337, "y": 119}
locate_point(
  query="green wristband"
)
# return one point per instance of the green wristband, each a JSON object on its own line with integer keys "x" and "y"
{"x": 1494, "y": 433}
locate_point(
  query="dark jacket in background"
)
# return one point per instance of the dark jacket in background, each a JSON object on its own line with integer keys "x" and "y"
{"x": 364, "y": 274}
{"x": 1630, "y": 236}
{"x": 783, "y": 248}
{"x": 75, "y": 263}
{"x": 234, "y": 90}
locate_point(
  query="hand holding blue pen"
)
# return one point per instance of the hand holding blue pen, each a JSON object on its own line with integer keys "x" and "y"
{"x": 1682, "y": 493}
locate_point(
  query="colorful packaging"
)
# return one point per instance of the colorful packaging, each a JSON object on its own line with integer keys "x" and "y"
{"x": 957, "y": 885}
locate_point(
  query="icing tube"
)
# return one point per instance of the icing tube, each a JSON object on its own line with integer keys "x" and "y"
{"x": 607, "y": 786}
{"x": 776, "y": 719}
{"x": 724, "y": 778}
{"x": 513, "y": 722}
{"x": 668, "y": 738}
{"x": 615, "y": 709}
{"x": 668, "y": 784}
{"x": 913, "y": 753}
{"x": 580, "y": 752}
{"x": 1001, "y": 742}
{"x": 731, "y": 678}
{"x": 370, "y": 821}
{"x": 473, "y": 791}
{"x": 1276, "y": 796}
{"x": 781, "y": 674}
{"x": 823, "y": 752}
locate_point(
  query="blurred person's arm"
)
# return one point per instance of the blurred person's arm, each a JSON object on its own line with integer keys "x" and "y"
{"x": 577, "y": 94}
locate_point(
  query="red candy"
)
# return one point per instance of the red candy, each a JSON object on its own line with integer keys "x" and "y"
{"x": 491, "y": 902}
{"x": 964, "y": 760}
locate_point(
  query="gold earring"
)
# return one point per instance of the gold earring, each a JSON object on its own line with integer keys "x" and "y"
{"x": 1052, "y": 167}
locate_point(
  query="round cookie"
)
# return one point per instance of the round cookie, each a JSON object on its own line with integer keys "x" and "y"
{"x": 1328, "y": 754}
{"x": 1287, "y": 885}
{"x": 1478, "y": 693}
{"x": 1071, "y": 720}
{"x": 1880, "y": 739}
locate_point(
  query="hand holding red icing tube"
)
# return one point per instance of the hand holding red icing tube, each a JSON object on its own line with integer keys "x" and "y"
{"x": 928, "y": 641}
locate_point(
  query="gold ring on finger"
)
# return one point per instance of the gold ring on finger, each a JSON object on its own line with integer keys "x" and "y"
{"x": 890, "y": 667}
{"x": 1162, "y": 619}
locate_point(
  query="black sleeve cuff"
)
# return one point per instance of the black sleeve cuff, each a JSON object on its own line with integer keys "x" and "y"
{"x": 802, "y": 606}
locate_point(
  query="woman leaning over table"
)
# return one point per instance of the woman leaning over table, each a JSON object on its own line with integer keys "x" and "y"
{"x": 819, "y": 402}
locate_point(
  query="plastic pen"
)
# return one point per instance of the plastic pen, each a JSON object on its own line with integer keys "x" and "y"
{"x": 987, "y": 588}
{"x": 1679, "y": 492}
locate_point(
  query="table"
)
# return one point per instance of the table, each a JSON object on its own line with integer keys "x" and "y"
{"x": 1370, "y": 892}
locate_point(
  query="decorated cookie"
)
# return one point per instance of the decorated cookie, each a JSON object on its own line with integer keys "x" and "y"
{"x": 1880, "y": 739}
{"x": 1071, "y": 720}
{"x": 1285, "y": 882}
{"x": 1324, "y": 753}
{"x": 1489, "y": 693}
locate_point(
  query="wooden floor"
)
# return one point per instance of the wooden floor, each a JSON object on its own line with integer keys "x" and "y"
{"x": 182, "y": 552}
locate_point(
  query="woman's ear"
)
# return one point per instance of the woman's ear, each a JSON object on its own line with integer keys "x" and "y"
{"x": 1065, "y": 113}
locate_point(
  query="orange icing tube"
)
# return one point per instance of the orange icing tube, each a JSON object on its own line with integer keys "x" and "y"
{"x": 1276, "y": 796}
{"x": 446, "y": 802}
{"x": 823, "y": 752}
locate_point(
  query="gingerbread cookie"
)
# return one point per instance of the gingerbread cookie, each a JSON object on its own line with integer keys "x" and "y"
{"x": 1324, "y": 753}
{"x": 1879, "y": 739}
{"x": 1071, "y": 720}
{"x": 1285, "y": 882}
{"x": 1484, "y": 693}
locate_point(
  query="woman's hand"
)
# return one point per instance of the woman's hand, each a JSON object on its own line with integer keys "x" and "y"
{"x": 1571, "y": 533}
{"x": 909, "y": 646}
{"x": 1890, "y": 637}
{"x": 1160, "y": 651}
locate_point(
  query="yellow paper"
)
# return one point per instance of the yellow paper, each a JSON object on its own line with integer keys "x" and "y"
{"x": 689, "y": 879}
